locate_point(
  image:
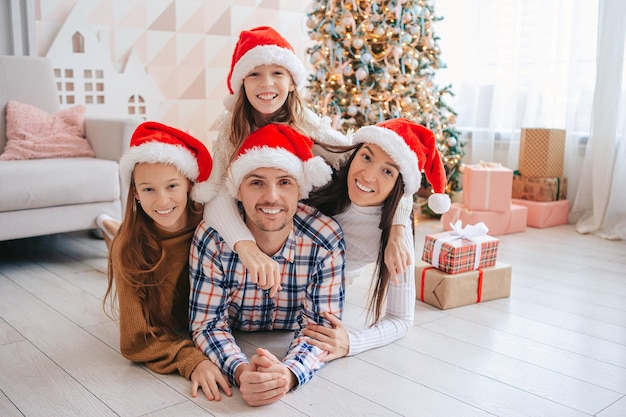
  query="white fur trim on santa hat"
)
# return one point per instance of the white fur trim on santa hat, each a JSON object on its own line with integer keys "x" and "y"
{"x": 265, "y": 55}
{"x": 158, "y": 152}
{"x": 398, "y": 150}
{"x": 312, "y": 173}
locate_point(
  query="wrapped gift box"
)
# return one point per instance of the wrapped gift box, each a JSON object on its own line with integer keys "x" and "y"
{"x": 541, "y": 152}
{"x": 498, "y": 222}
{"x": 443, "y": 291}
{"x": 453, "y": 253}
{"x": 487, "y": 186}
{"x": 545, "y": 214}
{"x": 539, "y": 188}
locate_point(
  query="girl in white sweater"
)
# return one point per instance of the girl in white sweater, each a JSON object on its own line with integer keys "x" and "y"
{"x": 384, "y": 166}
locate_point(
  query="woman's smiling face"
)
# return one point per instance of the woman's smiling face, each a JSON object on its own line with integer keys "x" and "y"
{"x": 371, "y": 176}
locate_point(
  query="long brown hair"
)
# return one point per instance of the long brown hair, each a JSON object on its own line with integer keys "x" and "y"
{"x": 333, "y": 199}
{"x": 137, "y": 253}
{"x": 242, "y": 121}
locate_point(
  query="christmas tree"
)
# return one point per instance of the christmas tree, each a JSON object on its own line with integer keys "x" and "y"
{"x": 375, "y": 60}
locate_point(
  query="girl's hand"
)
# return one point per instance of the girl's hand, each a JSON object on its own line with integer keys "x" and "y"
{"x": 333, "y": 340}
{"x": 208, "y": 377}
{"x": 262, "y": 269}
{"x": 397, "y": 254}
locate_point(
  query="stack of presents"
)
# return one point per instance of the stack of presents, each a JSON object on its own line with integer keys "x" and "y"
{"x": 539, "y": 183}
{"x": 459, "y": 265}
{"x": 534, "y": 196}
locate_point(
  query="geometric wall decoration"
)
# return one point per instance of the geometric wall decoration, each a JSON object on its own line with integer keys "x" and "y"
{"x": 85, "y": 74}
{"x": 164, "y": 60}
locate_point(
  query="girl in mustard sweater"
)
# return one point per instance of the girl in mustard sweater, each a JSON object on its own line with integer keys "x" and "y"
{"x": 148, "y": 273}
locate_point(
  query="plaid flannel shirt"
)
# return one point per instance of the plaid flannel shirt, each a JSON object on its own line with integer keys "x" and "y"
{"x": 312, "y": 263}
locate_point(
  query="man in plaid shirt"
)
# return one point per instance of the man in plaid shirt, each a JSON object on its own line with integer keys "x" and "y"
{"x": 274, "y": 168}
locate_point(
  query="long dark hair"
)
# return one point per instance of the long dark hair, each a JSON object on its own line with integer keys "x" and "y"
{"x": 136, "y": 250}
{"x": 333, "y": 199}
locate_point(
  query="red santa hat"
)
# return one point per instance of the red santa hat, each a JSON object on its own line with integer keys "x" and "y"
{"x": 261, "y": 46}
{"x": 153, "y": 142}
{"x": 279, "y": 146}
{"x": 414, "y": 148}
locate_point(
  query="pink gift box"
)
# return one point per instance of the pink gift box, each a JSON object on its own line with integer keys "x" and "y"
{"x": 545, "y": 214}
{"x": 499, "y": 222}
{"x": 455, "y": 254}
{"x": 487, "y": 186}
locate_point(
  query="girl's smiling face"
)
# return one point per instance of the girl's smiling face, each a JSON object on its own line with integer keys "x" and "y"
{"x": 163, "y": 192}
{"x": 267, "y": 88}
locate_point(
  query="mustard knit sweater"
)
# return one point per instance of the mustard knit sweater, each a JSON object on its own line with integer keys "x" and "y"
{"x": 162, "y": 352}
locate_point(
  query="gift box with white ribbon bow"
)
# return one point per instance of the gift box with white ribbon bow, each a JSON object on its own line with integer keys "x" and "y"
{"x": 461, "y": 249}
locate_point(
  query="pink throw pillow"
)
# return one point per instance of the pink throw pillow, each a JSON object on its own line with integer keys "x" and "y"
{"x": 36, "y": 134}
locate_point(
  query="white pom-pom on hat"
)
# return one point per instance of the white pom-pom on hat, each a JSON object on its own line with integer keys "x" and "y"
{"x": 439, "y": 203}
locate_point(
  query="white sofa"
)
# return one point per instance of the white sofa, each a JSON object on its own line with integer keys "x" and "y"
{"x": 46, "y": 196}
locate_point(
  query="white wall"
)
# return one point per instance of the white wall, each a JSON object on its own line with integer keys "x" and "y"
{"x": 17, "y": 24}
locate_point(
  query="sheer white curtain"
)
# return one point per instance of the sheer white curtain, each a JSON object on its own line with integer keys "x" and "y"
{"x": 600, "y": 203}
{"x": 532, "y": 63}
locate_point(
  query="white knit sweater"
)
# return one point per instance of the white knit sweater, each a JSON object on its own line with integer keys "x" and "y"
{"x": 362, "y": 236}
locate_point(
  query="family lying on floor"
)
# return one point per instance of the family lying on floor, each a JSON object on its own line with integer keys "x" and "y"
{"x": 265, "y": 234}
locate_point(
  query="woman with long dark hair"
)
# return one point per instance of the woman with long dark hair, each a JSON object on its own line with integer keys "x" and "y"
{"x": 385, "y": 165}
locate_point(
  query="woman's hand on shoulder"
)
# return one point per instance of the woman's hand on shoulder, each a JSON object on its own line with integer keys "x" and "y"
{"x": 262, "y": 270}
{"x": 334, "y": 340}
{"x": 210, "y": 378}
{"x": 397, "y": 254}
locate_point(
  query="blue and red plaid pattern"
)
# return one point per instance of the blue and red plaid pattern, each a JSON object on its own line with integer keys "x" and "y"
{"x": 312, "y": 266}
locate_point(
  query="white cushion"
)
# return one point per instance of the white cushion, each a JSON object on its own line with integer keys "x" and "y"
{"x": 41, "y": 183}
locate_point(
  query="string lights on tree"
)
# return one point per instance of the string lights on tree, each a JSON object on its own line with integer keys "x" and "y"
{"x": 375, "y": 60}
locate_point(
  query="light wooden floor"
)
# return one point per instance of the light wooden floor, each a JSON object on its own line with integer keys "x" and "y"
{"x": 556, "y": 347}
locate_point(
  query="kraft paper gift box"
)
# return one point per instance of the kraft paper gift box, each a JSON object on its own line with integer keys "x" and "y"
{"x": 461, "y": 249}
{"x": 539, "y": 188}
{"x": 541, "y": 152}
{"x": 487, "y": 186}
{"x": 498, "y": 222}
{"x": 545, "y": 214}
{"x": 444, "y": 291}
